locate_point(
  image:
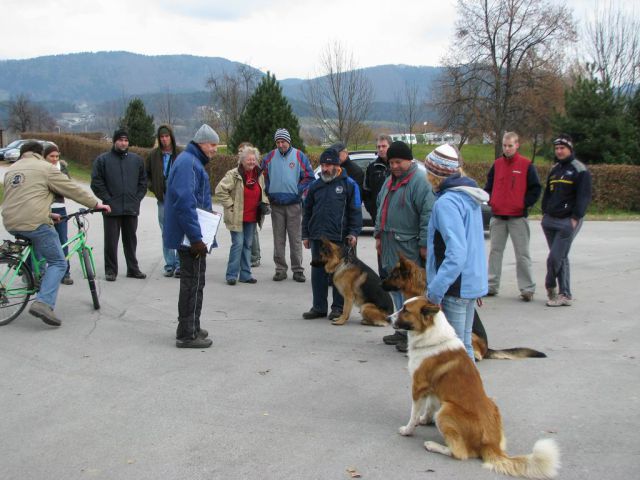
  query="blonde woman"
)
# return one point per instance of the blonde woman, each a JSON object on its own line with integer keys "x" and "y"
{"x": 242, "y": 195}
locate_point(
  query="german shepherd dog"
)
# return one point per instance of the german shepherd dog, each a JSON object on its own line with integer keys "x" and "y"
{"x": 447, "y": 388}
{"x": 410, "y": 279}
{"x": 357, "y": 283}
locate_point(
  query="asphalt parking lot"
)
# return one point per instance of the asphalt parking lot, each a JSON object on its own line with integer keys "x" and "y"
{"x": 109, "y": 396}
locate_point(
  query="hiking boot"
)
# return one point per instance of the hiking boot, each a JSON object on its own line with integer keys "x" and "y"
{"x": 552, "y": 293}
{"x": 395, "y": 338}
{"x": 279, "y": 276}
{"x": 311, "y": 314}
{"x": 197, "y": 342}
{"x": 526, "y": 296}
{"x": 110, "y": 277}
{"x": 138, "y": 274}
{"x": 299, "y": 277}
{"x": 67, "y": 281}
{"x": 560, "y": 301}
{"x": 45, "y": 313}
{"x": 335, "y": 314}
{"x": 403, "y": 346}
{"x": 168, "y": 273}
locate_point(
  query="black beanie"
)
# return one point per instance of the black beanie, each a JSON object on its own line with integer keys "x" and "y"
{"x": 120, "y": 133}
{"x": 399, "y": 150}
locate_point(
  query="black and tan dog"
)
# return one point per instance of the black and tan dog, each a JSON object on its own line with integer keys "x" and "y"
{"x": 447, "y": 388}
{"x": 410, "y": 279}
{"x": 357, "y": 283}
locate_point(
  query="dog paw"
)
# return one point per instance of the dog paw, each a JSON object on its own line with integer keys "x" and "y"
{"x": 426, "y": 420}
{"x": 339, "y": 321}
{"x": 406, "y": 431}
{"x": 432, "y": 446}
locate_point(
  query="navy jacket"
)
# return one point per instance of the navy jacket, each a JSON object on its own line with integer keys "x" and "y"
{"x": 332, "y": 210}
{"x": 568, "y": 190}
{"x": 188, "y": 188}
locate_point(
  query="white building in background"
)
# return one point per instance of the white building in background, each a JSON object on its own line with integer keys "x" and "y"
{"x": 408, "y": 138}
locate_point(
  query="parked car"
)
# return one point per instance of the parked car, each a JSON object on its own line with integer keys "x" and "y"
{"x": 12, "y": 151}
{"x": 363, "y": 158}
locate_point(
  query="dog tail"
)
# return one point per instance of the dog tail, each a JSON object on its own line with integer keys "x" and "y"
{"x": 514, "y": 353}
{"x": 543, "y": 463}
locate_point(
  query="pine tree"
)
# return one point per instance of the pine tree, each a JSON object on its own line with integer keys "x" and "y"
{"x": 138, "y": 124}
{"x": 600, "y": 123}
{"x": 266, "y": 111}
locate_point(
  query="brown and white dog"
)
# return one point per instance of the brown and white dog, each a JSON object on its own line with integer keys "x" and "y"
{"x": 410, "y": 279}
{"x": 447, "y": 388}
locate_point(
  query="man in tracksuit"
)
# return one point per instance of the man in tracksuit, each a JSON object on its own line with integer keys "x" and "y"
{"x": 332, "y": 210}
{"x": 564, "y": 204}
{"x": 287, "y": 174}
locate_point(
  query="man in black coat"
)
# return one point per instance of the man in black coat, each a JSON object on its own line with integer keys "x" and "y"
{"x": 119, "y": 180}
{"x": 352, "y": 169}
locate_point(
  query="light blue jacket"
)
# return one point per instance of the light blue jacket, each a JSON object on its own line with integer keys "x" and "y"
{"x": 456, "y": 259}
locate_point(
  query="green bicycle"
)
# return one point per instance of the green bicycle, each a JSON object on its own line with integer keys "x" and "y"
{"x": 21, "y": 270}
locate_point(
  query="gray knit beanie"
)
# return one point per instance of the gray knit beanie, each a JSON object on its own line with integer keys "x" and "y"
{"x": 206, "y": 134}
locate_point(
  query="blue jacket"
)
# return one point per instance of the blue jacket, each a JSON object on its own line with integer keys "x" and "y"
{"x": 286, "y": 177}
{"x": 456, "y": 260}
{"x": 188, "y": 188}
{"x": 332, "y": 209}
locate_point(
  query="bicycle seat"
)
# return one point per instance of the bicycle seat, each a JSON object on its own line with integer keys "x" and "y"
{"x": 22, "y": 240}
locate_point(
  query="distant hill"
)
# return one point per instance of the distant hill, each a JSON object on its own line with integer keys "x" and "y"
{"x": 96, "y": 78}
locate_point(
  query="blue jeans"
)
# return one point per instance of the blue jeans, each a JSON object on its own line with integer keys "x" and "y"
{"x": 320, "y": 285}
{"x": 62, "y": 229}
{"x": 171, "y": 260}
{"x": 47, "y": 244}
{"x": 240, "y": 253}
{"x": 459, "y": 313}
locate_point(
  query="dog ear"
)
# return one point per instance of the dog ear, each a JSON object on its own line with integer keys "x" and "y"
{"x": 429, "y": 309}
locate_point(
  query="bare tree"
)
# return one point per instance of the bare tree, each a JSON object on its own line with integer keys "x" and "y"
{"x": 230, "y": 93}
{"x": 341, "y": 96}
{"x": 166, "y": 107}
{"x": 613, "y": 47}
{"x": 42, "y": 121}
{"x": 410, "y": 106}
{"x": 493, "y": 41}
{"x": 20, "y": 114}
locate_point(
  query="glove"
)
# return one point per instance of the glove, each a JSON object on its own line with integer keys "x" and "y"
{"x": 198, "y": 248}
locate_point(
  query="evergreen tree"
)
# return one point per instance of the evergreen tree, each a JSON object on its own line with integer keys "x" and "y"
{"x": 138, "y": 124}
{"x": 600, "y": 122}
{"x": 266, "y": 111}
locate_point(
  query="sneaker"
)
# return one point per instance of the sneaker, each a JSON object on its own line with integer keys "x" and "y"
{"x": 110, "y": 277}
{"x": 67, "y": 281}
{"x": 255, "y": 263}
{"x": 250, "y": 280}
{"x": 402, "y": 346}
{"x": 552, "y": 293}
{"x": 176, "y": 273}
{"x": 526, "y": 296}
{"x": 560, "y": 301}
{"x": 335, "y": 314}
{"x": 168, "y": 273}
{"x": 492, "y": 293}
{"x": 139, "y": 275}
{"x": 45, "y": 313}
{"x": 197, "y": 342}
{"x": 279, "y": 276}
{"x": 311, "y": 314}
{"x": 299, "y": 277}
{"x": 395, "y": 338}
{"x": 231, "y": 281}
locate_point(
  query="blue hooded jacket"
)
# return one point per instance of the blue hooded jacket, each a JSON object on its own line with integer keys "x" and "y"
{"x": 456, "y": 259}
{"x": 188, "y": 188}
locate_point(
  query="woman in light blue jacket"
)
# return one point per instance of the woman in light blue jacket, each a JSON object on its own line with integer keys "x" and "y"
{"x": 456, "y": 260}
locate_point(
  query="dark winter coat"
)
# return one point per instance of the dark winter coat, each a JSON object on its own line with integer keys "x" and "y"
{"x": 374, "y": 178}
{"x": 119, "y": 180}
{"x": 354, "y": 171}
{"x": 154, "y": 166}
{"x": 568, "y": 190}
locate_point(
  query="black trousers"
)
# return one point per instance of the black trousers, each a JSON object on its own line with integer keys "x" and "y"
{"x": 192, "y": 270}
{"x": 113, "y": 225}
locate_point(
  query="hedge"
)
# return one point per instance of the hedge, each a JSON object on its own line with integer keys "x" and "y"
{"x": 615, "y": 187}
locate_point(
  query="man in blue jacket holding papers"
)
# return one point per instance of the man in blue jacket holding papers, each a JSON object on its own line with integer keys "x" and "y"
{"x": 188, "y": 189}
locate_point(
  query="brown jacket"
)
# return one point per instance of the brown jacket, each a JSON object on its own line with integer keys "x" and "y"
{"x": 29, "y": 187}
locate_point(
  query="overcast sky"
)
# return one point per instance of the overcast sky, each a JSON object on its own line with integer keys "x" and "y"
{"x": 283, "y": 36}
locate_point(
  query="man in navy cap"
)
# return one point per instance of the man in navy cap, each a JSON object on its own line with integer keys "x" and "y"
{"x": 332, "y": 210}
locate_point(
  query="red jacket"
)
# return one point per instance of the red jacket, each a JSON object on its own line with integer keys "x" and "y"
{"x": 513, "y": 185}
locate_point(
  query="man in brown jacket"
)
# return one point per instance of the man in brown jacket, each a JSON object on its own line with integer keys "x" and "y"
{"x": 158, "y": 165}
{"x": 29, "y": 188}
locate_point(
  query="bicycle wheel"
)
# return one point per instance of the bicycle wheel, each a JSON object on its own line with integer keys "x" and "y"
{"x": 16, "y": 287}
{"x": 91, "y": 277}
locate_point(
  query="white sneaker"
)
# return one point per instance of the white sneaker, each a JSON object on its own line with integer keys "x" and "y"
{"x": 560, "y": 301}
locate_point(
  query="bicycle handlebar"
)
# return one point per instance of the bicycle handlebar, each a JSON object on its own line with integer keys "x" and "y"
{"x": 79, "y": 213}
